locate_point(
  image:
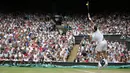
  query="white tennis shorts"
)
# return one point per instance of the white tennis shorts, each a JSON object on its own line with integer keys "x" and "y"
{"x": 102, "y": 46}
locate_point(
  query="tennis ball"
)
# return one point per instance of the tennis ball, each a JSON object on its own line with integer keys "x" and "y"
{"x": 87, "y": 4}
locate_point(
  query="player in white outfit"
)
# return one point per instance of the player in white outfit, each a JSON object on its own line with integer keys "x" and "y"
{"x": 101, "y": 43}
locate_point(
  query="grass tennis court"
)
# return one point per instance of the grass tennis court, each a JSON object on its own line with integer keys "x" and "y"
{"x": 59, "y": 70}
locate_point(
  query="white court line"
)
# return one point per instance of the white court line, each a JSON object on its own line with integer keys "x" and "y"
{"x": 85, "y": 71}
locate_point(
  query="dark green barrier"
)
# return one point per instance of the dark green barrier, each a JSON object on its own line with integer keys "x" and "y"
{"x": 107, "y": 37}
{"x": 62, "y": 64}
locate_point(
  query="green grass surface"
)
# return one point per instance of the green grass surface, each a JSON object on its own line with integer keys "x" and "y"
{"x": 59, "y": 70}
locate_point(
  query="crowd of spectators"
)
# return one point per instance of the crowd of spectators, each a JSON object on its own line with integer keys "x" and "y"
{"x": 109, "y": 23}
{"x": 29, "y": 37}
{"x": 116, "y": 51}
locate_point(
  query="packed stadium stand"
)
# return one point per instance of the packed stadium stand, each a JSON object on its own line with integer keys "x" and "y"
{"x": 27, "y": 37}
